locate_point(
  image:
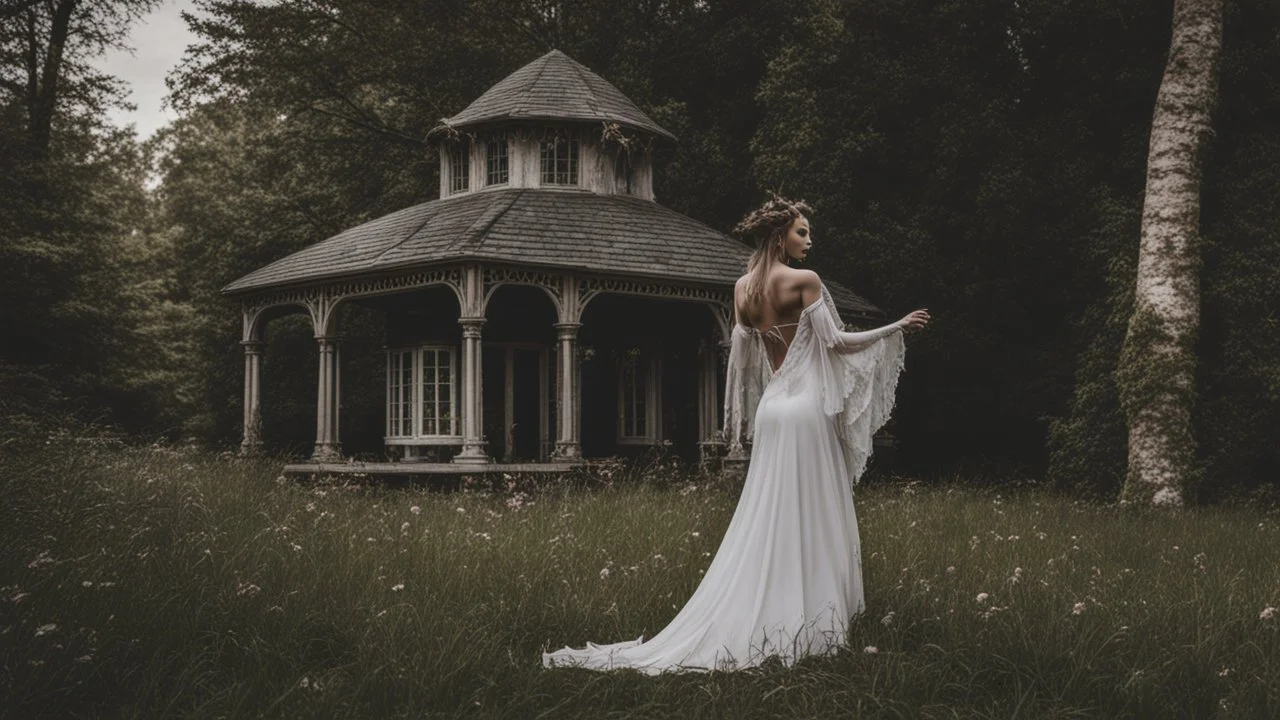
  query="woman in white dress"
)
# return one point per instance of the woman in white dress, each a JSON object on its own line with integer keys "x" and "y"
{"x": 808, "y": 396}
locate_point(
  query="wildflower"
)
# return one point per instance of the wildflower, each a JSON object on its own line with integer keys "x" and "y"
{"x": 462, "y": 509}
{"x": 982, "y": 597}
{"x": 887, "y": 620}
{"x": 695, "y": 533}
{"x": 46, "y": 629}
{"x": 415, "y": 510}
{"x": 397, "y": 587}
{"x": 604, "y": 573}
{"x": 404, "y": 527}
{"x": 1077, "y": 609}
{"x": 871, "y": 649}
{"x": 44, "y": 558}
{"x": 951, "y": 569}
{"x": 1267, "y": 613}
{"x": 1224, "y": 672}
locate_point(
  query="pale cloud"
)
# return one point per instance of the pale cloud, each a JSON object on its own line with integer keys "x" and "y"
{"x": 158, "y": 41}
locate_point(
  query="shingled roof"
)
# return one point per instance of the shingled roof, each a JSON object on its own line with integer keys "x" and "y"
{"x": 615, "y": 235}
{"x": 554, "y": 87}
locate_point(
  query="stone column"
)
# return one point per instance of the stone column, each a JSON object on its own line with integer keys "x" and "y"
{"x": 568, "y": 400}
{"x": 710, "y": 443}
{"x": 473, "y": 452}
{"x": 252, "y": 443}
{"x": 328, "y": 446}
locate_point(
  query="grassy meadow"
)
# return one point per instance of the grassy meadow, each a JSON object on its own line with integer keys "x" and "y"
{"x": 164, "y": 582}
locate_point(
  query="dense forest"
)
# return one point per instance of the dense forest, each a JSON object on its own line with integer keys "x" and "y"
{"x": 981, "y": 158}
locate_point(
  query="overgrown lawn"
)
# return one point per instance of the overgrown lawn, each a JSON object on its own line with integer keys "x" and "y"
{"x": 165, "y": 582}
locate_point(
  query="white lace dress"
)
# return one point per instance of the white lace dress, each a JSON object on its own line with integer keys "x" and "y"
{"x": 788, "y": 574}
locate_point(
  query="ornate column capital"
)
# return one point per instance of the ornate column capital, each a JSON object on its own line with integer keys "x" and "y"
{"x": 567, "y": 330}
{"x": 472, "y": 325}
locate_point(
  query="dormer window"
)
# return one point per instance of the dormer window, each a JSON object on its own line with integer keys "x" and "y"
{"x": 497, "y": 166}
{"x": 560, "y": 161}
{"x": 460, "y": 168}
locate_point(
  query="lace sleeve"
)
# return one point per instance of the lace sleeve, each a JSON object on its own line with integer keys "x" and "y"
{"x": 859, "y": 378}
{"x": 746, "y": 377}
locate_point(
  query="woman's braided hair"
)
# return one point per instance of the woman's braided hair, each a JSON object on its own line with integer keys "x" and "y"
{"x": 765, "y": 227}
{"x": 770, "y": 219}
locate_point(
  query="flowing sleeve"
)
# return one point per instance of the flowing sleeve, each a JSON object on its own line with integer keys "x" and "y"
{"x": 858, "y": 375}
{"x": 745, "y": 379}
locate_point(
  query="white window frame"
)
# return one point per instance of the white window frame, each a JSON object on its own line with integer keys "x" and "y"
{"x": 417, "y": 391}
{"x": 572, "y": 159}
{"x": 648, "y": 369}
{"x": 460, "y": 167}
{"x": 497, "y": 160}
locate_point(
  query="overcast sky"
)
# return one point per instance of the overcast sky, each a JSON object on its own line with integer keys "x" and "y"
{"x": 157, "y": 42}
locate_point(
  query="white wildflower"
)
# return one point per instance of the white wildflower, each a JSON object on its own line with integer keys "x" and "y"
{"x": 46, "y": 629}
{"x": 982, "y": 597}
{"x": 604, "y": 573}
{"x": 1267, "y": 613}
{"x": 397, "y": 587}
{"x": 887, "y": 620}
{"x": 1077, "y": 609}
{"x": 415, "y": 510}
{"x": 871, "y": 649}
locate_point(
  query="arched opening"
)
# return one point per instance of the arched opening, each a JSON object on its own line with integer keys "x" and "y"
{"x": 518, "y": 377}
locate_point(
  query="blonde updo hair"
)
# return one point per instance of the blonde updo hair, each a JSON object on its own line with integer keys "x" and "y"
{"x": 765, "y": 228}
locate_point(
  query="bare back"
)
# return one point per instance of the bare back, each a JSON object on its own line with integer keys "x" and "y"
{"x": 787, "y": 292}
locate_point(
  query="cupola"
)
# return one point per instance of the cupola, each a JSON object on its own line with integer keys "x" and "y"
{"x": 552, "y": 124}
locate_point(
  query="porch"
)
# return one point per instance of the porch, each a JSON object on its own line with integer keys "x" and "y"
{"x": 435, "y": 469}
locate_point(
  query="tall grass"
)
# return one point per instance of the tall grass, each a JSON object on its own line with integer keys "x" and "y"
{"x": 164, "y": 582}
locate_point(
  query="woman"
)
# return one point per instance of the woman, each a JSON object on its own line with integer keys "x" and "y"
{"x": 787, "y": 576}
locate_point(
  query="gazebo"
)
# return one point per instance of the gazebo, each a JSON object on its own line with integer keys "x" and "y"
{"x": 544, "y": 309}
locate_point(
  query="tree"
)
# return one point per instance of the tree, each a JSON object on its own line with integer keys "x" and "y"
{"x": 1156, "y": 373}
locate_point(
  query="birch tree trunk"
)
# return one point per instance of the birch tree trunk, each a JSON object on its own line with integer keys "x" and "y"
{"x": 1156, "y": 373}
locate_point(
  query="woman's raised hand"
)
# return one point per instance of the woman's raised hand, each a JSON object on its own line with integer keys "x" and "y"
{"x": 915, "y": 320}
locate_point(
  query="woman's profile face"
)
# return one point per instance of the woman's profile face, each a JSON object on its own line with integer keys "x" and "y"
{"x": 798, "y": 239}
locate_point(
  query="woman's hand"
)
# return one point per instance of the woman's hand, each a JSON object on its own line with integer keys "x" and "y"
{"x": 916, "y": 320}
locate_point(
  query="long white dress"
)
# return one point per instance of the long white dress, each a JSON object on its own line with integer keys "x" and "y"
{"x": 788, "y": 574}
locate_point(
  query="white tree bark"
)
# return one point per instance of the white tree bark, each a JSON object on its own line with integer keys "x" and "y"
{"x": 1156, "y": 374}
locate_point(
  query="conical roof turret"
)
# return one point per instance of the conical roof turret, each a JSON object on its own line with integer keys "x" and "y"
{"x": 555, "y": 87}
